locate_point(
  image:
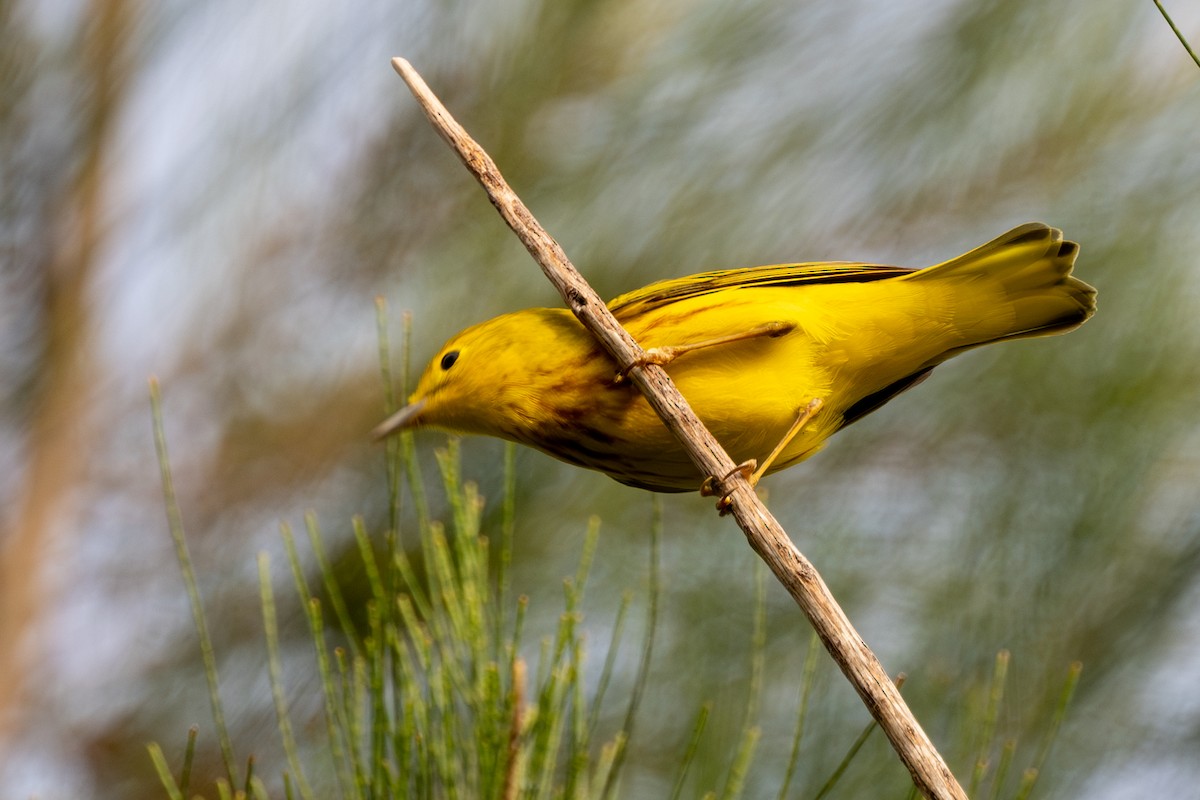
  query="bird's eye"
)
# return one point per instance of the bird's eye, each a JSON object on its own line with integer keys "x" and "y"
{"x": 449, "y": 359}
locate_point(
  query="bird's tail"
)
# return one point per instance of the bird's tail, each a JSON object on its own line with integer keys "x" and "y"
{"x": 1015, "y": 286}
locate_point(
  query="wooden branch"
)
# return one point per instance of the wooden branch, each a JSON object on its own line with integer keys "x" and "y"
{"x": 766, "y": 536}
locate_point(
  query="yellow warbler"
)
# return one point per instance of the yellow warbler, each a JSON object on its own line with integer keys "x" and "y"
{"x": 755, "y": 352}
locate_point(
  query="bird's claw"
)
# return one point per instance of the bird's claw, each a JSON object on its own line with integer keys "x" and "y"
{"x": 711, "y": 484}
{"x": 658, "y": 356}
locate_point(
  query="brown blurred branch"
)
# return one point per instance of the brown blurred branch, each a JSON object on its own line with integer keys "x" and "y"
{"x": 56, "y": 442}
{"x": 766, "y": 536}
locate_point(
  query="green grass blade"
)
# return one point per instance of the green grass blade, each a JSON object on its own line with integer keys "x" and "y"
{"x": 508, "y": 517}
{"x": 639, "y": 684}
{"x": 758, "y": 646}
{"x": 991, "y": 715}
{"x": 693, "y": 746}
{"x": 189, "y": 755}
{"x": 334, "y": 723}
{"x": 258, "y": 789}
{"x": 579, "y": 755}
{"x": 610, "y": 659}
{"x": 275, "y": 674}
{"x": 751, "y": 733}
{"x": 808, "y": 679}
{"x": 390, "y": 406}
{"x": 175, "y": 523}
{"x": 590, "y": 540}
{"x": 842, "y": 766}
{"x": 370, "y": 563}
{"x": 329, "y": 580}
{"x": 1178, "y": 33}
{"x": 740, "y": 768}
{"x": 316, "y": 628}
{"x": 1006, "y": 758}
{"x": 164, "y": 772}
{"x": 408, "y": 450}
{"x": 250, "y": 776}
{"x": 1029, "y": 778}
{"x": 606, "y": 762}
{"x": 374, "y": 659}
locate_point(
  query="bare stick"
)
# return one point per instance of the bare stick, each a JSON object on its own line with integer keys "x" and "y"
{"x": 766, "y": 536}
{"x": 1178, "y": 33}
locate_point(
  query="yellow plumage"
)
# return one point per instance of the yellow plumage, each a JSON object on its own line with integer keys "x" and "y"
{"x": 849, "y": 335}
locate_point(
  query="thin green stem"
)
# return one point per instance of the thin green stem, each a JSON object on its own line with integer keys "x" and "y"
{"x": 995, "y": 696}
{"x": 316, "y": 627}
{"x": 1178, "y": 33}
{"x": 1060, "y": 712}
{"x": 693, "y": 746}
{"x": 175, "y": 523}
{"x": 275, "y": 674}
{"x": 189, "y": 755}
{"x": 639, "y": 684}
{"x": 164, "y": 772}
{"x": 610, "y": 658}
{"x": 508, "y": 517}
{"x": 758, "y": 652}
{"x": 1007, "y": 752}
{"x": 845, "y": 762}
{"x": 329, "y": 580}
{"x": 389, "y": 407}
{"x": 807, "y": 681}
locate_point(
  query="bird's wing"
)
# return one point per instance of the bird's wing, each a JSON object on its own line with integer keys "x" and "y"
{"x": 670, "y": 291}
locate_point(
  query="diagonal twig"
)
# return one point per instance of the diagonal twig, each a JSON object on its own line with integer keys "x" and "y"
{"x": 1178, "y": 33}
{"x": 765, "y": 535}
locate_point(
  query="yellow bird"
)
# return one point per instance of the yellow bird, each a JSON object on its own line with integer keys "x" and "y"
{"x": 774, "y": 360}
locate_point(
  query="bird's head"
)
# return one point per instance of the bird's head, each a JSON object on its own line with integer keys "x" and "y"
{"x": 476, "y": 383}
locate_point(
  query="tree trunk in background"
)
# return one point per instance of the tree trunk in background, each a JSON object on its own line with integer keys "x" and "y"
{"x": 58, "y": 446}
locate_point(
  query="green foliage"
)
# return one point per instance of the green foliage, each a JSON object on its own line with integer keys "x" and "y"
{"x": 433, "y": 698}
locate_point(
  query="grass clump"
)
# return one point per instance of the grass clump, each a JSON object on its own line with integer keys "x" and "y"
{"x": 432, "y": 697}
{"x": 425, "y": 692}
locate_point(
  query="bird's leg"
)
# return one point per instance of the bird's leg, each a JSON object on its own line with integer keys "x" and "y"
{"x": 803, "y": 418}
{"x": 668, "y": 353}
{"x": 752, "y": 470}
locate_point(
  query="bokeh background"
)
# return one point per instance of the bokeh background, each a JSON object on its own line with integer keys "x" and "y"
{"x": 215, "y": 193}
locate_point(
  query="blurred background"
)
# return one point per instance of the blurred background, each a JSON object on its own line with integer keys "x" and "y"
{"x": 216, "y": 193}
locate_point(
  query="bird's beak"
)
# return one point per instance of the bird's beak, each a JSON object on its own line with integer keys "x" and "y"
{"x": 407, "y": 417}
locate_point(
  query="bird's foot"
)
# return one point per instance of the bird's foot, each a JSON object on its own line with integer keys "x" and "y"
{"x": 711, "y": 485}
